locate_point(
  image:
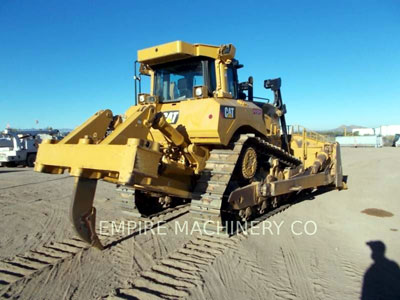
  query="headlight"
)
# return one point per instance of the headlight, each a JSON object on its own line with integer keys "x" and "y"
{"x": 151, "y": 99}
{"x": 147, "y": 99}
{"x": 199, "y": 91}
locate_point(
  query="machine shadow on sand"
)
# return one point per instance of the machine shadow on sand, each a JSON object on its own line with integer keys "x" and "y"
{"x": 382, "y": 279}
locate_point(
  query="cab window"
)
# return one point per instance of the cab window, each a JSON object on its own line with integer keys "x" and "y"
{"x": 175, "y": 81}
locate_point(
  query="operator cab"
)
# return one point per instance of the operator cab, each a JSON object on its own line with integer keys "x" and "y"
{"x": 180, "y": 71}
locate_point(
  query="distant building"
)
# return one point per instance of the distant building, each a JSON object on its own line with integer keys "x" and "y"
{"x": 384, "y": 130}
{"x": 360, "y": 141}
{"x": 364, "y": 131}
{"x": 388, "y": 130}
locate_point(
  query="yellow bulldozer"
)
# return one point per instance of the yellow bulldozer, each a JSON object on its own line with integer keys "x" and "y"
{"x": 199, "y": 135}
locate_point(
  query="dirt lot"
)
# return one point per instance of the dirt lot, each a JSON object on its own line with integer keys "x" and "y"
{"x": 316, "y": 249}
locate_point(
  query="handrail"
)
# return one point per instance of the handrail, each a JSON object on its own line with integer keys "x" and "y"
{"x": 300, "y": 130}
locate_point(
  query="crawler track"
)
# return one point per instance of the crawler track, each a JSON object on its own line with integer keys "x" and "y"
{"x": 212, "y": 189}
{"x": 30, "y": 264}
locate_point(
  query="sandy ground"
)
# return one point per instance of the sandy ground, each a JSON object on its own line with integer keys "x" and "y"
{"x": 319, "y": 251}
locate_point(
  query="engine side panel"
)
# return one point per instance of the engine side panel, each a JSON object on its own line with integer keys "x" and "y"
{"x": 215, "y": 120}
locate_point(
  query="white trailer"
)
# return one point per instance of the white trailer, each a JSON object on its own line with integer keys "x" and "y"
{"x": 360, "y": 141}
{"x": 19, "y": 147}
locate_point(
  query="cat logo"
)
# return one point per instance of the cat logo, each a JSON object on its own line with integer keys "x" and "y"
{"x": 171, "y": 116}
{"x": 228, "y": 112}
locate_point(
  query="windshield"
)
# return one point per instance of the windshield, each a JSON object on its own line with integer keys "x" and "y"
{"x": 175, "y": 81}
{"x": 5, "y": 141}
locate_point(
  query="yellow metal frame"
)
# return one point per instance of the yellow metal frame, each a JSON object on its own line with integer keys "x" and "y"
{"x": 175, "y": 50}
{"x": 98, "y": 161}
{"x": 86, "y": 153}
{"x": 307, "y": 144}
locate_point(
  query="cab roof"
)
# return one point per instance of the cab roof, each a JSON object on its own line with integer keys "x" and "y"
{"x": 175, "y": 51}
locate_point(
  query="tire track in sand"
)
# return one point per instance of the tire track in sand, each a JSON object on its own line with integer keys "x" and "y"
{"x": 179, "y": 272}
{"x": 45, "y": 258}
{"x": 174, "y": 276}
{"x": 296, "y": 271}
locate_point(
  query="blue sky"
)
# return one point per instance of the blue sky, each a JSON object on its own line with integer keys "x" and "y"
{"x": 61, "y": 61}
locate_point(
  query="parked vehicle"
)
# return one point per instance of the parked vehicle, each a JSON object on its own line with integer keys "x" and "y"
{"x": 396, "y": 140}
{"x": 19, "y": 147}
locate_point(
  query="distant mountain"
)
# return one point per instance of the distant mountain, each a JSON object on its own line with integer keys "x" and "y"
{"x": 341, "y": 128}
{"x": 350, "y": 127}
